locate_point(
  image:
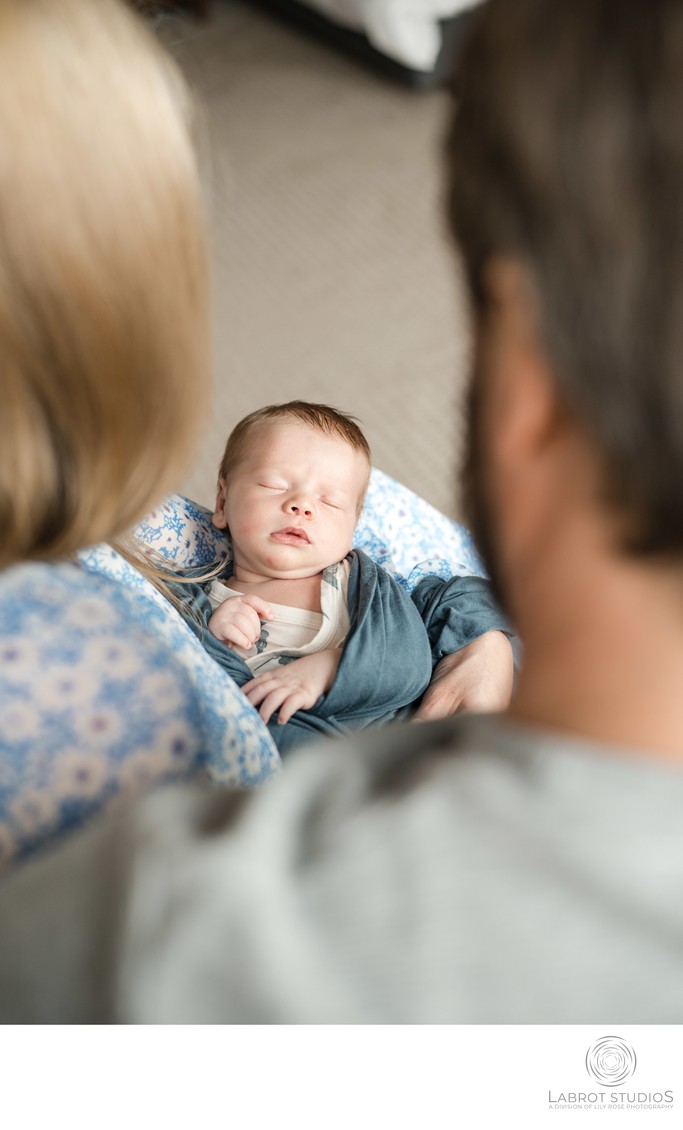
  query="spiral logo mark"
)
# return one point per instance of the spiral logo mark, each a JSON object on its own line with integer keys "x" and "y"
{"x": 610, "y": 1060}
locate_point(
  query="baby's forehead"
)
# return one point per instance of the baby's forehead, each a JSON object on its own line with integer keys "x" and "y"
{"x": 268, "y": 447}
{"x": 280, "y": 438}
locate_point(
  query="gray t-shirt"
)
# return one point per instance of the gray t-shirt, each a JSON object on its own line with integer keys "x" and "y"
{"x": 460, "y": 872}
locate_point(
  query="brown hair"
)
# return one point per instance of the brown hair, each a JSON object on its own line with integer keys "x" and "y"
{"x": 566, "y": 152}
{"x": 330, "y": 421}
{"x": 104, "y": 344}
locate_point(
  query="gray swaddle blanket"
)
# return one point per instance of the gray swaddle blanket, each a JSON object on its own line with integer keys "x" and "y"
{"x": 395, "y": 640}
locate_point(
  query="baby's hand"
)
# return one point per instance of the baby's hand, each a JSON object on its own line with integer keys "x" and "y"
{"x": 296, "y": 686}
{"x": 238, "y": 620}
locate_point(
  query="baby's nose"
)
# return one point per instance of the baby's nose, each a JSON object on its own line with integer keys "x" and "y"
{"x": 302, "y": 507}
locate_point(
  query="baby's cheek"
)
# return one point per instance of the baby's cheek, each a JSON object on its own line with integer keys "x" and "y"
{"x": 249, "y": 527}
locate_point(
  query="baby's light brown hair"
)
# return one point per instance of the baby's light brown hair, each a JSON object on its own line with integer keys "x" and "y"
{"x": 329, "y": 421}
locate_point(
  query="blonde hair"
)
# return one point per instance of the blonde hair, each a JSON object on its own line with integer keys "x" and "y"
{"x": 329, "y": 421}
{"x": 104, "y": 344}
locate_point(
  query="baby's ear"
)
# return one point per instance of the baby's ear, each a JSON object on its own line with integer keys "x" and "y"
{"x": 218, "y": 518}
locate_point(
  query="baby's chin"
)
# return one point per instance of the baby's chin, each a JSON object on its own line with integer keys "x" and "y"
{"x": 296, "y": 574}
{"x": 284, "y": 562}
{"x": 289, "y": 565}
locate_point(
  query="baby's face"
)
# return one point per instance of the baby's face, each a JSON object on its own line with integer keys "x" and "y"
{"x": 291, "y": 505}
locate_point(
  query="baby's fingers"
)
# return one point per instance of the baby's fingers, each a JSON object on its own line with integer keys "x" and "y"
{"x": 257, "y": 689}
{"x": 269, "y": 693}
{"x": 232, "y": 636}
{"x": 242, "y": 627}
{"x": 261, "y": 607}
{"x": 266, "y": 693}
{"x": 272, "y": 701}
{"x": 296, "y": 700}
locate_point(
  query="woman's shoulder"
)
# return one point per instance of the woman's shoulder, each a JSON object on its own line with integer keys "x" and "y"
{"x": 92, "y": 707}
{"x": 43, "y": 583}
{"x": 97, "y": 702}
{"x": 56, "y": 611}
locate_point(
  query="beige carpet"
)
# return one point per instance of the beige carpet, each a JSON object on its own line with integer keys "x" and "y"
{"x": 333, "y": 278}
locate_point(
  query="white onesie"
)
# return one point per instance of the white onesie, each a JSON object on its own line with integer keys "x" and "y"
{"x": 294, "y": 632}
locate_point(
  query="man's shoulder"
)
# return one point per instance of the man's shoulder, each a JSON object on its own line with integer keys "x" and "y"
{"x": 407, "y": 875}
{"x": 399, "y": 765}
{"x": 400, "y": 759}
{"x": 485, "y": 762}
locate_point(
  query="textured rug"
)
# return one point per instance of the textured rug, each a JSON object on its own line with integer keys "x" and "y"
{"x": 333, "y": 277}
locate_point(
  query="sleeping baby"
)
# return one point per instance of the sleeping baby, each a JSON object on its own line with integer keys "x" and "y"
{"x": 321, "y": 639}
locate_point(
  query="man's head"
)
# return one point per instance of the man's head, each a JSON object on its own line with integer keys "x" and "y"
{"x": 566, "y": 164}
{"x": 291, "y": 485}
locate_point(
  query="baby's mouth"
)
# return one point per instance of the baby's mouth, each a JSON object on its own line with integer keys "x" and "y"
{"x": 291, "y": 535}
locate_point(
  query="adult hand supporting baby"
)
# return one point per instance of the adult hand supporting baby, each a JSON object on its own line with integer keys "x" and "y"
{"x": 478, "y": 678}
{"x": 296, "y": 686}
